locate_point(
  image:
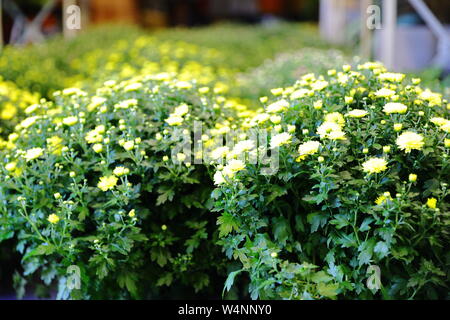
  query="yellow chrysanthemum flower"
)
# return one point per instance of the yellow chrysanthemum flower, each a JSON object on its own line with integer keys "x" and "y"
{"x": 181, "y": 110}
{"x": 280, "y": 140}
{"x": 53, "y": 218}
{"x": 174, "y": 120}
{"x": 28, "y": 122}
{"x": 107, "y": 183}
{"x": 243, "y": 146}
{"x": 395, "y": 107}
{"x": 408, "y": 141}
{"x": 357, "y": 113}
{"x": 385, "y": 197}
{"x": 307, "y": 148}
{"x": 335, "y": 117}
{"x": 374, "y": 165}
{"x": 55, "y": 145}
{"x": 433, "y": 99}
{"x": 278, "y": 106}
{"x": 431, "y": 203}
{"x": 95, "y": 103}
{"x": 398, "y": 127}
{"x": 220, "y": 152}
{"x": 128, "y": 145}
{"x": 219, "y": 178}
{"x": 447, "y": 143}
{"x": 96, "y": 135}
{"x": 70, "y": 121}
{"x": 384, "y": 93}
{"x": 319, "y": 85}
{"x": 326, "y": 128}
{"x": 232, "y": 167}
{"x": 33, "y": 154}
{"x": 11, "y": 166}
{"x": 120, "y": 171}
{"x": 390, "y": 76}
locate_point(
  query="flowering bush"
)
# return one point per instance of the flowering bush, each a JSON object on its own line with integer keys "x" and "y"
{"x": 361, "y": 191}
{"x": 122, "y": 52}
{"x": 335, "y": 187}
{"x": 100, "y": 182}
{"x": 285, "y": 69}
{"x": 13, "y": 102}
{"x": 89, "y": 181}
{"x": 29, "y": 68}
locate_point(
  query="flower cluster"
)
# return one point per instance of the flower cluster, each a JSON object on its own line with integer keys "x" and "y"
{"x": 310, "y": 184}
{"x": 87, "y": 180}
{"x": 362, "y": 180}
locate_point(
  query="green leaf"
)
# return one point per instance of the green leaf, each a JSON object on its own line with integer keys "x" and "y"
{"x": 128, "y": 280}
{"x": 201, "y": 281}
{"x": 84, "y": 212}
{"x": 382, "y": 249}
{"x": 166, "y": 194}
{"x": 226, "y": 224}
{"x": 165, "y": 280}
{"x": 321, "y": 276}
{"x": 340, "y": 220}
{"x": 5, "y": 235}
{"x": 43, "y": 249}
{"x": 278, "y": 192}
{"x": 365, "y": 224}
{"x": 366, "y": 251}
{"x": 316, "y": 220}
{"x": 281, "y": 230}
{"x": 138, "y": 237}
{"x": 230, "y": 280}
{"x": 216, "y": 194}
{"x": 160, "y": 255}
{"x": 328, "y": 290}
{"x": 345, "y": 175}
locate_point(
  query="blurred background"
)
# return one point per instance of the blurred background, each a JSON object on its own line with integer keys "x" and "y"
{"x": 420, "y": 39}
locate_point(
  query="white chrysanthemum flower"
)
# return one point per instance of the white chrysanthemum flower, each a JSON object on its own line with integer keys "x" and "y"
{"x": 395, "y": 107}
{"x": 410, "y": 141}
{"x": 243, "y": 146}
{"x": 181, "y": 110}
{"x": 33, "y": 153}
{"x": 357, "y": 113}
{"x": 280, "y": 139}
{"x": 220, "y": 152}
{"x": 326, "y": 128}
{"x": 278, "y": 106}
{"x": 385, "y": 93}
{"x": 309, "y": 148}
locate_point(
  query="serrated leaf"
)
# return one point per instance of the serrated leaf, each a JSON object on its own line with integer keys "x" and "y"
{"x": 365, "y": 225}
{"x": 328, "y": 290}
{"x": 382, "y": 249}
{"x": 321, "y": 276}
{"x": 226, "y": 224}
{"x": 165, "y": 280}
{"x": 230, "y": 280}
{"x": 43, "y": 249}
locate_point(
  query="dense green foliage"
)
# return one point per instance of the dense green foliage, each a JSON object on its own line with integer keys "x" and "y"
{"x": 101, "y": 176}
{"x": 362, "y": 184}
